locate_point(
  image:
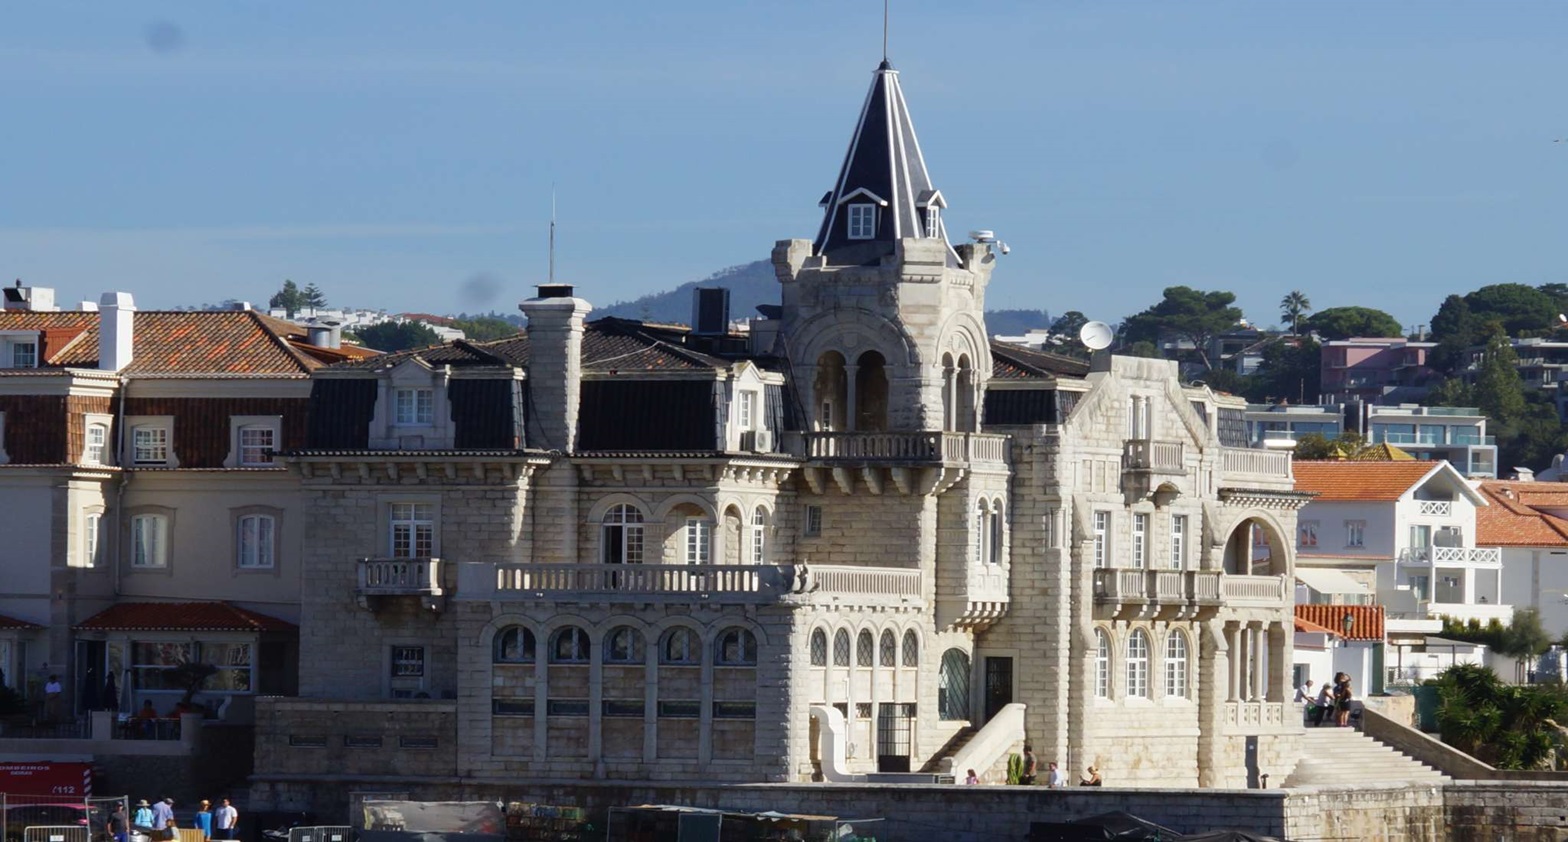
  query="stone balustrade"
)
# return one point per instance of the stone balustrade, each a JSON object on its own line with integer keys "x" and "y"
{"x": 713, "y": 583}
{"x": 1255, "y": 462}
{"x": 918, "y": 446}
{"x": 1160, "y": 457}
{"x": 1252, "y": 715}
{"x": 391, "y": 577}
{"x": 1182, "y": 591}
{"x": 1254, "y": 591}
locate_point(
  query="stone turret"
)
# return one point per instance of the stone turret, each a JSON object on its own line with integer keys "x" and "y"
{"x": 882, "y": 317}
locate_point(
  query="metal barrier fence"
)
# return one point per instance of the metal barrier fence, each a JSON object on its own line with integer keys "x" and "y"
{"x": 319, "y": 833}
{"x": 73, "y": 818}
{"x": 55, "y": 833}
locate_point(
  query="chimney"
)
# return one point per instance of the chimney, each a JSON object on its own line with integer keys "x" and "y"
{"x": 325, "y": 334}
{"x": 555, "y": 351}
{"x": 710, "y": 311}
{"x": 88, "y": 306}
{"x": 243, "y": 306}
{"x": 116, "y": 327}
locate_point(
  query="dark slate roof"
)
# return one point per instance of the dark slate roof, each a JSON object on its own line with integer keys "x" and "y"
{"x": 1015, "y": 362}
{"x": 883, "y": 166}
{"x": 609, "y": 344}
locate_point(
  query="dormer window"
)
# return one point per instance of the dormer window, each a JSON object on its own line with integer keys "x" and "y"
{"x": 19, "y": 349}
{"x": 933, "y": 222}
{"x": 414, "y": 407}
{"x": 97, "y": 440}
{"x": 150, "y": 445}
{"x": 24, "y": 355}
{"x": 862, "y": 221}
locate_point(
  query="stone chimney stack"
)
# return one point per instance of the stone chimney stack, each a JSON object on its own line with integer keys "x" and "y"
{"x": 116, "y": 330}
{"x": 555, "y": 351}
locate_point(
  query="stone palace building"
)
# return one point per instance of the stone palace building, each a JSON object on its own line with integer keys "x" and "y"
{"x": 860, "y": 537}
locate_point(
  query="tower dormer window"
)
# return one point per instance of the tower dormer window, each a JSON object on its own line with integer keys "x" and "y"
{"x": 933, "y": 222}
{"x": 24, "y": 355}
{"x": 862, "y": 221}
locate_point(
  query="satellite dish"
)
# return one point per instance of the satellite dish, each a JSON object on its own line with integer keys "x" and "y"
{"x": 1096, "y": 336}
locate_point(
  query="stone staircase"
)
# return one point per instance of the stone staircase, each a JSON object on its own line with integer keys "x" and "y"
{"x": 1346, "y": 757}
{"x": 938, "y": 762}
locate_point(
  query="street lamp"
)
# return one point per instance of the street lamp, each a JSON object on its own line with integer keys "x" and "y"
{"x": 1348, "y": 623}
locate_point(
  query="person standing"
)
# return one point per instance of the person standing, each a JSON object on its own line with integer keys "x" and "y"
{"x": 54, "y": 694}
{"x": 142, "y": 821}
{"x": 1031, "y": 767}
{"x": 971, "y": 779}
{"x": 162, "y": 815}
{"x": 226, "y": 819}
{"x": 1342, "y": 699}
{"x": 204, "y": 819}
{"x": 1054, "y": 777}
{"x": 118, "y": 825}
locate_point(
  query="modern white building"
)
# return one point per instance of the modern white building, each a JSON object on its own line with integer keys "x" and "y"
{"x": 1527, "y": 523}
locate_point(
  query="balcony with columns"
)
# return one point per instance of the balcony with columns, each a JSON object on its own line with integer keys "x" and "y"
{"x": 1257, "y": 691}
{"x": 906, "y": 462}
{"x": 1131, "y": 593}
{"x": 710, "y": 584}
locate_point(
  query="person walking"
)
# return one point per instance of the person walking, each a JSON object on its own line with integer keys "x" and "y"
{"x": 118, "y": 826}
{"x": 1031, "y": 767}
{"x": 204, "y": 819}
{"x": 162, "y": 814}
{"x": 226, "y": 819}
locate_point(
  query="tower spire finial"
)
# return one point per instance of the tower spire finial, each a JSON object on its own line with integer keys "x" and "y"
{"x": 552, "y": 232}
{"x": 884, "y": 29}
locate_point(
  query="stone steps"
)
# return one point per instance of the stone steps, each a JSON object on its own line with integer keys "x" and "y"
{"x": 1345, "y": 756}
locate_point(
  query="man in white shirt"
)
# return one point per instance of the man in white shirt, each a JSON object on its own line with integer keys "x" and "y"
{"x": 224, "y": 820}
{"x": 1304, "y": 692}
{"x": 1055, "y": 779}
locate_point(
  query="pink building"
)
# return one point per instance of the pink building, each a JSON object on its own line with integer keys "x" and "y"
{"x": 1368, "y": 368}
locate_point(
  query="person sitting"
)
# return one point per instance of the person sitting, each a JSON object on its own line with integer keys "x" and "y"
{"x": 971, "y": 779}
{"x": 1093, "y": 779}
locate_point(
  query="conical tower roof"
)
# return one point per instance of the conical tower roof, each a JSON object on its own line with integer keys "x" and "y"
{"x": 883, "y": 193}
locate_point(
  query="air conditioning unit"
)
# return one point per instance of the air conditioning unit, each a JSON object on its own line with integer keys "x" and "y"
{"x": 757, "y": 441}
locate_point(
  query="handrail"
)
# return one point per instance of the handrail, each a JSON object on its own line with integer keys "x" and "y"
{"x": 916, "y": 446}
{"x": 400, "y": 575}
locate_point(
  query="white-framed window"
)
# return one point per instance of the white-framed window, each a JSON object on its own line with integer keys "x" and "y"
{"x": 746, "y": 410}
{"x": 1307, "y": 533}
{"x": 413, "y": 530}
{"x": 812, "y": 526}
{"x": 96, "y": 445}
{"x": 92, "y": 526}
{"x": 933, "y": 222}
{"x": 1176, "y": 665}
{"x": 998, "y": 538}
{"x": 1178, "y": 542}
{"x": 1102, "y": 528}
{"x": 150, "y": 445}
{"x": 759, "y": 535}
{"x": 1138, "y": 664}
{"x": 1140, "y": 541}
{"x": 257, "y": 441}
{"x": 149, "y": 540}
{"x": 1102, "y": 664}
{"x": 862, "y": 222}
{"x": 699, "y": 541}
{"x": 982, "y": 532}
{"x": 24, "y": 355}
{"x": 1355, "y": 533}
{"x": 255, "y": 542}
{"x": 413, "y": 406}
{"x": 621, "y": 535}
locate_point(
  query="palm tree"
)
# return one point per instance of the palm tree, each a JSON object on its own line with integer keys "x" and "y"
{"x": 1292, "y": 306}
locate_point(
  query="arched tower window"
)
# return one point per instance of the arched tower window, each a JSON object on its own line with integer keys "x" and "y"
{"x": 871, "y": 395}
{"x": 831, "y": 390}
{"x": 949, "y": 393}
{"x": 819, "y": 648}
{"x": 1176, "y": 665}
{"x": 887, "y": 650}
{"x": 965, "y": 399}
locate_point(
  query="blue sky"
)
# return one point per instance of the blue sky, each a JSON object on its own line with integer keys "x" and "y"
{"x": 401, "y": 154}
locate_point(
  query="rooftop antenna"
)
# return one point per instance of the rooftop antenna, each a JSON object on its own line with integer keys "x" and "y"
{"x": 552, "y": 232}
{"x": 884, "y": 29}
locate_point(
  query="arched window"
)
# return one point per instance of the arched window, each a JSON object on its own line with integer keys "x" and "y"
{"x": 571, "y": 647}
{"x": 759, "y": 532}
{"x": 911, "y": 649}
{"x": 819, "y": 648}
{"x": 680, "y": 647}
{"x": 735, "y": 648}
{"x": 1138, "y": 665}
{"x": 841, "y": 648}
{"x": 514, "y": 645}
{"x": 865, "y": 649}
{"x": 887, "y": 650}
{"x": 982, "y": 532}
{"x": 621, "y": 535}
{"x": 623, "y": 645}
{"x": 998, "y": 539}
{"x": 1176, "y": 665}
{"x": 1102, "y": 664}
{"x": 952, "y": 701}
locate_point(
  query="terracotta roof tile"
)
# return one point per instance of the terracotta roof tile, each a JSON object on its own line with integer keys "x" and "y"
{"x": 1366, "y": 625}
{"x": 1515, "y": 518}
{"x": 13, "y": 624}
{"x": 198, "y": 342}
{"x": 1309, "y": 626}
{"x": 182, "y": 616}
{"x": 1335, "y": 481}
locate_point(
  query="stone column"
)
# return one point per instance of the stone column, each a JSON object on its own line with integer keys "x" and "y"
{"x": 1279, "y": 664}
{"x": 1233, "y": 643}
{"x": 1214, "y": 665}
{"x": 1259, "y": 663}
{"x": 851, "y": 396}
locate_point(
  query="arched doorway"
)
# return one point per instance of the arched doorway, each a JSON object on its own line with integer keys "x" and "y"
{"x": 871, "y": 393}
{"x": 831, "y": 389}
{"x": 1255, "y": 548}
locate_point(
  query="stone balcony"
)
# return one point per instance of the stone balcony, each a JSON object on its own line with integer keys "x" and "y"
{"x": 918, "y": 462}
{"x": 1250, "y": 466}
{"x": 1251, "y": 716}
{"x": 381, "y": 578}
{"x": 1154, "y": 457}
{"x": 734, "y": 584}
{"x": 1181, "y": 594}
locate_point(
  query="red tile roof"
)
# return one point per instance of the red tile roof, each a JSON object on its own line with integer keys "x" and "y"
{"x": 182, "y": 616}
{"x": 13, "y": 624}
{"x": 199, "y": 342}
{"x": 1309, "y": 626}
{"x": 1336, "y": 481}
{"x": 1366, "y": 625}
{"x": 1516, "y": 519}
